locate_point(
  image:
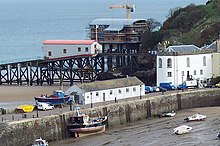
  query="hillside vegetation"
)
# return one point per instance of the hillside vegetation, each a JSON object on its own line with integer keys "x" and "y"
{"x": 198, "y": 25}
{"x": 193, "y": 24}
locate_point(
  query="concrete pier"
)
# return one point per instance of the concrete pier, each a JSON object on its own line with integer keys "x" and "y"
{"x": 55, "y": 127}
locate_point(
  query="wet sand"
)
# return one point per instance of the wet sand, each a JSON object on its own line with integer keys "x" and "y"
{"x": 157, "y": 132}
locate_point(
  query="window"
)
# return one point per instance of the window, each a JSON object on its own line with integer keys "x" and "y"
{"x": 127, "y": 89}
{"x": 169, "y": 63}
{"x": 49, "y": 53}
{"x": 194, "y": 72}
{"x": 64, "y": 51}
{"x": 95, "y": 46}
{"x": 169, "y": 74}
{"x": 204, "y": 61}
{"x": 97, "y": 94}
{"x": 86, "y": 49}
{"x": 111, "y": 92}
{"x": 119, "y": 91}
{"x": 134, "y": 89}
{"x": 87, "y": 96}
{"x": 182, "y": 73}
{"x": 160, "y": 63}
{"x": 79, "y": 49}
{"x": 201, "y": 72}
{"x": 188, "y": 62}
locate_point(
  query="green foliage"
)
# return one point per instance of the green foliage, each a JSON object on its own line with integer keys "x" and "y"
{"x": 197, "y": 25}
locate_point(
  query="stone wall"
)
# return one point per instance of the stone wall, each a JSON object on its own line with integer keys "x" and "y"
{"x": 51, "y": 128}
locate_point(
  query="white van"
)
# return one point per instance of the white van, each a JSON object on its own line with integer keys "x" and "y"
{"x": 44, "y": 106}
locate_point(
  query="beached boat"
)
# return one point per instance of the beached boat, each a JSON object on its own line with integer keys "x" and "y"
{"x": 40, "y": 142}
{"x": 58, "y": 97}
{"x": 182, "y": 129}
{"x": 195, "y": 117}
{"x": 218, "y": 136}
{"x": 168, "y": 114}
{"x": 25, "y": 108}
{"x": 81, "y": 124}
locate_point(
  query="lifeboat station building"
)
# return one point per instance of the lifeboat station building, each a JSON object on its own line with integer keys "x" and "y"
{"x": 60, "y": 49}
{"x": 118, "y": 35}
{"x": 108, "y": 90}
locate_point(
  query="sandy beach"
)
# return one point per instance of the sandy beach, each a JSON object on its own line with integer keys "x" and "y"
{"x": 25, "y": 93}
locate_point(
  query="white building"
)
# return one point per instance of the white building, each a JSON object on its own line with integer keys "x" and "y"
{"x": 55, "y": 49}
{"x": 182, "y": 63}
{"x": 101, "y": 91}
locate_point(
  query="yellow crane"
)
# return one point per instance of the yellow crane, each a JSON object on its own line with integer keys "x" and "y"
{"x": 129, "y": 8}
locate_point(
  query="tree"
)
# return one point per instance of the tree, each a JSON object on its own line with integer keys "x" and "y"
{"x": 173, "y": 11}
{"x": 152, "y": 24}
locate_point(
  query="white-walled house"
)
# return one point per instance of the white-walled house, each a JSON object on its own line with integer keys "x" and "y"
{"x": 179, "y": 66}
{"x": 101, "y": 91}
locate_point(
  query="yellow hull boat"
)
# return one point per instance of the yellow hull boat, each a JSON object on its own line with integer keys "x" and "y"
{"x": 26, "y": 108}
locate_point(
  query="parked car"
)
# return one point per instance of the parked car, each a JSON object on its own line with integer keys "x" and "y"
{"x": 44, "y": 106}
{"x": 182, "y": 86}
{"x": 162, "y": 89}
{"x": 148, "y": 89}
{"x": 167, "y": 85}
{"x": 156, "y": 89}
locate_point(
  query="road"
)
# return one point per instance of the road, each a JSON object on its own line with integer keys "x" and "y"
{"x": 58, "y": 110}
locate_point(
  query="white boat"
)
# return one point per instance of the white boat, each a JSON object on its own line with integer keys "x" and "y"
{"x": 195, "y": 117}
{"x": 182, "y": 129}
{"x": 218, "y": 136}
{"x": 40, "y": 142}
{"x": 169, "y": 114}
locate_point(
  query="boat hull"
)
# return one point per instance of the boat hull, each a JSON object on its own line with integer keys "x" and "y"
{"x": 87, "y": 130}
{"x": 53, "y": 101}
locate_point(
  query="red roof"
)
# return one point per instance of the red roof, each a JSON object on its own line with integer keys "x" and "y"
{"x": 68, "y": 42}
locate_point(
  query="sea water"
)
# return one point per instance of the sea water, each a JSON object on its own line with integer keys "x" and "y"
{"x": 25, "y": 24}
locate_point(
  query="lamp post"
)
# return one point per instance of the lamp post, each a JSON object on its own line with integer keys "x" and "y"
{"x": 140, "y": 91}
{"x": 37, "y": 109}
{"x": 91, "y": 99}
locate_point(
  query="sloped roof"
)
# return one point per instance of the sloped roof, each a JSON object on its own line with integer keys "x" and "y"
{"x": 110, "y": 84}
{"x": 212, "y": 46}
{"x": 114, "y": 24}
{"x": 182, "y": 48}
{"x": 68, "y": 42}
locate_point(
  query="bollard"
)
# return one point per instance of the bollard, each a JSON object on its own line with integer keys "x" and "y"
{"x": 2, "y": 119}
{"x": 13, "y": 118}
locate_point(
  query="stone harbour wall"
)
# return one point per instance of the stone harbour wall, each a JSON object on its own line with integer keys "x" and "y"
{"x": 54, "y": 127}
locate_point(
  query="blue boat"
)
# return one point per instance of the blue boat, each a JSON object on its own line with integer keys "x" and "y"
{"x": 58, "y": 97}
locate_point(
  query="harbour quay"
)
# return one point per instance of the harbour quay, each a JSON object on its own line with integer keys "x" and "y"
{"x": 54, "y": 127}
